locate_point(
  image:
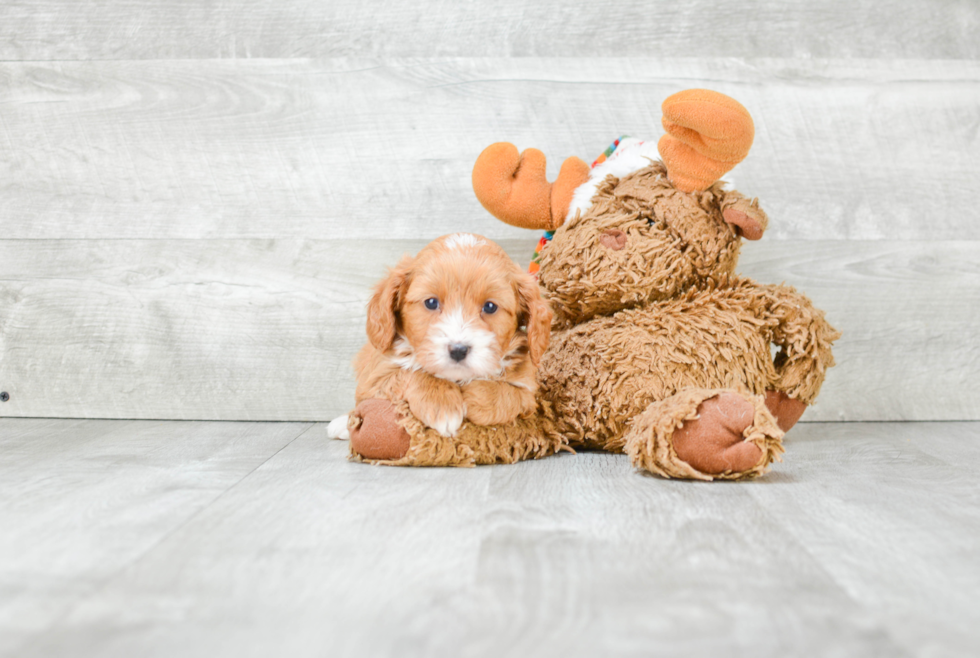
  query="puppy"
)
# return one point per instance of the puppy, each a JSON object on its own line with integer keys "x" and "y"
{"x": 458, "y": 332}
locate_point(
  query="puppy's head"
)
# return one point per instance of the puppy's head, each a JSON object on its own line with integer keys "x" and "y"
{"x": 460, "y": 310}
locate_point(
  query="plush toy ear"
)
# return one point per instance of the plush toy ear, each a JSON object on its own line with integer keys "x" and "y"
{"x": 382, "y": 319}
{"x": 745, "y": 214}
{"x": 536, "y": 317}
{"x": 749, "y": 227}
{"x": 514, "y": 188}
{"x": 707, "y": 135}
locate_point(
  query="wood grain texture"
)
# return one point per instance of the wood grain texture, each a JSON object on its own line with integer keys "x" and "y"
{"x": 862, "y": 542}
{"x": 183, "y": 329}
{"x": 355, "y": 148}
{"x": 80, "y": 501}
{"x": 265, "y": 330}
{"x": 193, "y": 29}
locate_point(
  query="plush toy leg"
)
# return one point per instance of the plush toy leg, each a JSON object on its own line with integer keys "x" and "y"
{"x": 704, "y": 434}
{"x": 383, "y": 432}
{"x": 375, "y": 432}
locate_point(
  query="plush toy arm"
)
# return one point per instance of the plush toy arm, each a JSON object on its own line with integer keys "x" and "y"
{"x": 804, "y": 337}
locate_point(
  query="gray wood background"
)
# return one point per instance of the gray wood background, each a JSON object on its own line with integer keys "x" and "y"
{"x": 195, "y": 197}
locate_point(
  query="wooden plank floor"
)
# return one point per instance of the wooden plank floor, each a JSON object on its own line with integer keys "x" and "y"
{"x": 154, "y": 538}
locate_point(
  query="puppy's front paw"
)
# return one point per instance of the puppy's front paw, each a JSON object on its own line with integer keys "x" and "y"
{"x": 438, "y": 404}
{"x": 496, "y": 403}
{"x": 485, "y": 404}
{"x": 446, "y": 422}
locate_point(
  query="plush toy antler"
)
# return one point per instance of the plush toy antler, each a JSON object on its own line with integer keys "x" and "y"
{"x": 513, "y": 186}
{"x": 707, "y": 134}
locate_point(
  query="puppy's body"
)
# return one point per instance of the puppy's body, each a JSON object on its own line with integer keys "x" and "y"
{"x": 457, "y": 332}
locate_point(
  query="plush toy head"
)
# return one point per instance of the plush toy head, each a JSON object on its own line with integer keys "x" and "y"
{"x": 641, "y": 240}
{"x": 649, "y": 231}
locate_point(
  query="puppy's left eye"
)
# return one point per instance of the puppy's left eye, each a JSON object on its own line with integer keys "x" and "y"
{"x": 489, "y": 308}
{"x": 431, "y": 303}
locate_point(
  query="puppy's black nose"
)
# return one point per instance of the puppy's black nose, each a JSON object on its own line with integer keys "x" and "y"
{"x": 458, "y": 352}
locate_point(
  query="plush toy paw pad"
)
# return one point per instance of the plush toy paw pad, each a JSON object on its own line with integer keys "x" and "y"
{"x": 375, "y": 432}
{"x": 786, "y": 410}
{"x": 713, "y": 442}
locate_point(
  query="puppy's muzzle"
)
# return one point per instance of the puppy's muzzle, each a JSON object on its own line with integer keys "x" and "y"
{"x": 458, "y": 352}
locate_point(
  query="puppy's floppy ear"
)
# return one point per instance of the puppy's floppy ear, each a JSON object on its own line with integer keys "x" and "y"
{"x": 382, "y": 318}
{"x": 536, "y": 316}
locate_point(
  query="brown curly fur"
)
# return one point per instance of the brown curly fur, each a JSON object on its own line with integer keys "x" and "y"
{"x": 645, "y": 333}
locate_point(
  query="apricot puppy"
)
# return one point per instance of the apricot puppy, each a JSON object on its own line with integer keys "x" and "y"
{"x": 458, "y": 332}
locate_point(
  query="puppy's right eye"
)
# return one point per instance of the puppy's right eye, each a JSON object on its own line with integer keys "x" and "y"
{"x": 431, "y": 303}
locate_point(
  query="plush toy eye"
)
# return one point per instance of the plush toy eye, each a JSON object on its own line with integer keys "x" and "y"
{"x": 650, "y": 222}
{"x": 489, "y": 308}
{"x": 431, "y": 303}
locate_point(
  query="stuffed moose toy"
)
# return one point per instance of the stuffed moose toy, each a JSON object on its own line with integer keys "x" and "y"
{"x": 658, "y": 349}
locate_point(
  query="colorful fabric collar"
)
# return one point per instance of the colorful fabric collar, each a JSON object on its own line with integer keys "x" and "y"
{"x": 546, "y": 238}
{"x": 608, "y": 152}
{"x": 536, "y": 259}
